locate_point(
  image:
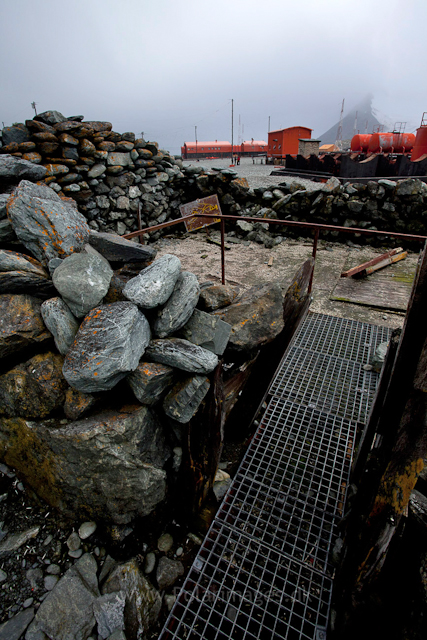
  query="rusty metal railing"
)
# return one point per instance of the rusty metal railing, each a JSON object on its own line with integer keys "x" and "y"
{"x": 315, "y": 226}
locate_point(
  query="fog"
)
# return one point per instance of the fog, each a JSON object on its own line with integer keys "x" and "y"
{"x": 166, "y": 67}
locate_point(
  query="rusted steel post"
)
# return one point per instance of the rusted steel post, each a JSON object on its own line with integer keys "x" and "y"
{"x": 315, "y": 242}
{"x": 140, "y": 240}
{"x": 222, "y": 251}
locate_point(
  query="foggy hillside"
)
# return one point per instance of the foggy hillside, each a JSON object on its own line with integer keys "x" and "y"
{"x": 366, "y": 122}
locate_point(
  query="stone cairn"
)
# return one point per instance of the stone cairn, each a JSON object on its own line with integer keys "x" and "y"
{"x": 106, "y": 353}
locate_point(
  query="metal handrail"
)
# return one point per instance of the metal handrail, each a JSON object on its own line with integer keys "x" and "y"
{"x": 315, "y": 226}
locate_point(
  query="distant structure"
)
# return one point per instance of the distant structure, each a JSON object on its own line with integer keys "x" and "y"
{"x": 338, "y": 141}
{"x": 222, "y": 149}
{"x": 283, "y": 142}
{"x": 308, "y": 147}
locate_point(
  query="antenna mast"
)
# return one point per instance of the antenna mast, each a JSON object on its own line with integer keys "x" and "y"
{"x": 232, "y": 107}
{"x": 355, "y": 125}
{"x": 338, "y": 141}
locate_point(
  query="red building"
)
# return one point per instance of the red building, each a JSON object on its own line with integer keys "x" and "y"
{"x": 222, "y": 149}
{"x": 283, "y": 142}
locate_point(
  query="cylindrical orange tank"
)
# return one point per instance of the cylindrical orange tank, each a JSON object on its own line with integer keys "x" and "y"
{"x": 420, "y": 145}
{"x": 360, "y": 142}
{"x": 391, "y": 142}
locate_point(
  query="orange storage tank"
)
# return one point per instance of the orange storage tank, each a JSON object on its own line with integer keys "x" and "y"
{"x": 360, "y": 142}
{"x": 420, "y": 144}
{"x": 391, "y": 142}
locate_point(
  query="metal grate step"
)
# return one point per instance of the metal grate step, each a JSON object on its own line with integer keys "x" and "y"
{"x": 329, "y": 384}
{"x": 239, "y": 588}
{"x": 341, "y": 337}
{"x": 303, "y": 453}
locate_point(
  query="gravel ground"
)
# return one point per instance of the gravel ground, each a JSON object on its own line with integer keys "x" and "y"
{"x": 257, "y": 175}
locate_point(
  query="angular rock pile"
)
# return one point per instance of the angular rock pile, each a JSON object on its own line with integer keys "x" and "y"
{"x": 80, "y": 448}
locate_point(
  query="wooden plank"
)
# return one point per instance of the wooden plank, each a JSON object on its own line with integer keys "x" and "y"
{"x": 379, "y": 262}
{"x": 380, "y": 293}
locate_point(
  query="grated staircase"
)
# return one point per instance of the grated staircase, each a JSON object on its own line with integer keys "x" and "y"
{"x": 264, "y": 570}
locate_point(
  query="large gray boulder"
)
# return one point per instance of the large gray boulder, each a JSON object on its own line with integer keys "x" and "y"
{"x": 143, "y": 602}
{"x": 108, "y": 346}
{"x": 60, "y": 322}
{"x": 12, "y": 168}
{"x": 106, "y": 468}
{"x": 45, "y": 224}
{"x": 82, "y": 280}
{"x": 154, "y": 285}
{"x": 181, "y": 354}
{"x": 256, "y": 318}
{"x": 118, "y": 249}
{"x": 179, "y": 307}
{"x": 21, "y": 323}
{"x": 67, "y": 612}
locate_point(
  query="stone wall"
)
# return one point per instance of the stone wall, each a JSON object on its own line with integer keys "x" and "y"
{"x": 111, "y": 176}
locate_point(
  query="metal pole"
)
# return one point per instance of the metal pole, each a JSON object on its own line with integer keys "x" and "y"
{"x": 232, "y": 140}
{"x": 222, "y": 251}
{"x": 268, "y": 124}
{"x": 315, "y": 241}
{"x": 195, "y": 130}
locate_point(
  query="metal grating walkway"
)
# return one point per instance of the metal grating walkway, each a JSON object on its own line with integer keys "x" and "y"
{"x": 264, "y": 570}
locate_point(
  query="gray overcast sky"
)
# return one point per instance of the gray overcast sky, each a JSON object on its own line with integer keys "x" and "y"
{"x": 164, "y": 67}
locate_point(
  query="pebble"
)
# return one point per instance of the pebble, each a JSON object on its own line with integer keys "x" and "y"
{"x": 53, "y": 569}
{"x": 86, "y": 529}
{"x": 195, "y": 539}
{"x": 27, "y": 603}
{"x": 73, "y": 541}
{"x": 179, "y": 551}
{"x": 150, "y": 563}
{"x": 165, "y": 542}
{"x": 50, "y": 582}
{"x": 76, "y": 553}
{"x": 170, "y": 601}
{"x": 3, "y": 575}
{"x": 48, "y": 540}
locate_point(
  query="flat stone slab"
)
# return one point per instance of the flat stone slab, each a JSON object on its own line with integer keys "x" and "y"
{"x": 182, "y": 354}
{"x": 117, "y": 249}
{"x": 184, "y": 399}
{"x": 179, "y": 307}
{"x": 207, "y": 331}
{"x": 149, "y": 381}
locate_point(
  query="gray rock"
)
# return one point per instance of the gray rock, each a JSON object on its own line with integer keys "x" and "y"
{"x": 379, "y": 356}
{"x": 108, "y": 346}
{"x": 96, "y": 171}
{"x": 109, "y": 611}
{"x": 86, "y": 529}
{"x": 154, "y": 285}
{"x": 34, "y": 577}
{"x": 216, "y": 296}
{"x": 50, "y": 582}
{"x": 14, "y": 261}
{"x": 108, "y": 467}
{"x": 13, "y": 628}
{"x": 221, "y": 488}
{"x": 207, "y": 331}
{"x": 149, "y": 563}
{"x": 53, "y": 264}
{"x": 76, "y": 553}
{"x": 25, "y": 282}
{"x": 47, "y": 226}
{"x": 149, "y": 381}
{"x": 7, "y": 232}
{"x": 256, "y": 319}
{"x": 184, "y": 399}
{"x": 67, "y": 612}
{"x": 179, "y": 307}
{"x": 118, "y": 158}
{"x": 60, "y": 322}
{"x": 143, "y": 602}
{"x": 50, "y": 117}
{"x": 409, "y": 187}
{"x": 82, "y": 280}
{"x": 13, "y": 541}
{"x": 3, "y": 575}
{"x": 117, "y": 249}
{"x": 107, "y": 567}
{"x": 4, "y": 197}
{"x": 165, "y": 542}
{"x": 387, "y": 184}
{"x": 33, "y": 389}
{"x": 73, "y": 541}
{"x": 168, "y": 572}
{"x": 21, "y": 323}
{"x": 16, "y": 133}
{"x": 181, "y": 354}
{"x": 117, "y": 635}
{"x": 12, "y": 168}
{"x": 77, "y": 404}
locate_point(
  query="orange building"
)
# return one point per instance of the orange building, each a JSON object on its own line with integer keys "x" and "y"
{"x": 285, "y": 141}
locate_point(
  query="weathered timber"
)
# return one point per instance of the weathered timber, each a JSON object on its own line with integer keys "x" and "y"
{"x": 376, "y": 263}
{"x": 202, "y": 447}
{"x": 383, "y": 293}
{"x": 391, "y": 471}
